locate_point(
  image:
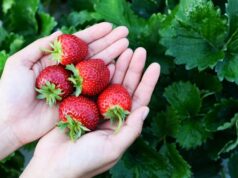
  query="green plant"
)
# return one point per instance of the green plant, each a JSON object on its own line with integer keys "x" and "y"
{"x": 192, "y": 130}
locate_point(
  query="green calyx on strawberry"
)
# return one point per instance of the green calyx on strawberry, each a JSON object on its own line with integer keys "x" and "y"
{"x": 68, "y": 49}
{"x": 52, "y": 84}
{"x": 117, "y": 115}
{"x": 76, "y": 128}
{"x": 76, "y": 79}
{"x": 90, "y": 77}
{"x": 50, "y": 93}
{"x": 115, "y": 103}
{"x": 56, "y": 51}
{"x": 78, "y": 115}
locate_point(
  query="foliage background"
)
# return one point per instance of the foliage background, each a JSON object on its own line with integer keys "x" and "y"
{"x": 192, "y": 130}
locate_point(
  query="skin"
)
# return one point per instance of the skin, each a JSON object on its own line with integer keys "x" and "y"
{"x": 100, "y": 150}
{"x": 26, "y": 121}
{"x": 23, "y": 118}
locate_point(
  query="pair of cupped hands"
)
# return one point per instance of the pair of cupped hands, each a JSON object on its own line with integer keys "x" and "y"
{"x": 23, "y": 118}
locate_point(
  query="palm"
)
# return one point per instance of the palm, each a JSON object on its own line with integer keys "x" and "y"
{"x": 32, "y": 118}
{"x": 103, "y": 147}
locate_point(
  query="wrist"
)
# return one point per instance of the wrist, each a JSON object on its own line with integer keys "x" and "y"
{"x": 9, "y": 140}
{"x": 38, "y": 168}
{"x": 41, "y": 167}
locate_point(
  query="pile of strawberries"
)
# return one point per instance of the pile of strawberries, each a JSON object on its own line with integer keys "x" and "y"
{"x": 82, "y": 88}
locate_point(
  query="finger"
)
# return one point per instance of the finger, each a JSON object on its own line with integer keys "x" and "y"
{"x": 94, "y": 32}
{"x": 122, "y": 65}
{"x": 131, "y": 130}
{"x": 98, "y": 45}
{"x": 112, "y": 51}
{"x": 111, "y": 68}
{"x": 146, "y": 87}
{"x": 135, "y": 70}
{"x": 33, "y": 52}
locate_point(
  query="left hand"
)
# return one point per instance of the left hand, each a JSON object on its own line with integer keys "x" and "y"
{"x": 23, "y": 118}
{"x": 98, "y": 151}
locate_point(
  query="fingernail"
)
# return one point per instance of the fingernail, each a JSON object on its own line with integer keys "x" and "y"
{"x": 145, "y": 113}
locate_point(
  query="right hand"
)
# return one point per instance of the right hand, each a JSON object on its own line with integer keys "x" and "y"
{"x": 98, "y": 151}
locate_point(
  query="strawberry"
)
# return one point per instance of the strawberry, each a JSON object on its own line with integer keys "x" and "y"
{"x": 90, "y": 77}
{"x": 78, "y": 114}
{"x": 52, "y": 84}
{"x": 115, "y": 103}
{"x": 68, "y": 49}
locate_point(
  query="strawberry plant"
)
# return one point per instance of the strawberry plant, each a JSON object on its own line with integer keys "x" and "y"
{"x": 192, "y": 129}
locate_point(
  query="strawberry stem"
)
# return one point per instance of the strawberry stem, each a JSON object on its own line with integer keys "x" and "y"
{"x": 117, "y": 115}
{"x": 50, "y": 93}
{"x": 76, "y": 79}
{"x": 75, "y": 128}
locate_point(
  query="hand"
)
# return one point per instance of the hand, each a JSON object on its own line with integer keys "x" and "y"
{"x": 23, "y": 118}
{"x": 98, "y": 151}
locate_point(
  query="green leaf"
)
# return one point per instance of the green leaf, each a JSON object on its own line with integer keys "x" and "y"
{"x": 165, "y": 124}
{"x": 6, "y": 5}
{"x": 82, "y": 4}
{"x": 232, "y": 144}
{"x": 220, "y": 114}
{"x": 184, "y": 97}
{"x": 12, "y": 43}
{"x": 3, "y": 35}
{"x": 202, "y": 165}
{"x": 205, "y": 81}
{"x": 146, "y": 8}
{"x": 229, "y": 146}
{"x": 141, "y": 162}
{"x": 47, "y": 24}
{"x": 3, "y": 59}
{"x": 191, "y": 134}
{"x": 232, "y": 13}
{"x": 150, "y": 36}
{"x": 16, "y": 44}
{"x": 227, "y": 69}
{"x": 79, "y": 18}
{"x": 192, "y": 41}
{"x": 68, "y": 30}
{"x": 232, "y": 165}
{"x": 119, "y": 12}
{"x": 180, "y": 168}
{"x": 21, "y": 17}
{"x": 228, "y": 125}
{"x": 12, "y": 167}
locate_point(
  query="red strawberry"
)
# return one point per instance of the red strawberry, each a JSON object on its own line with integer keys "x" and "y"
{"x": 78, "y": 114}
{"x": 68, "y": 49}
{"x": 53, "y": 85}
{"x": 90, "y": 77}
{"x": 115, "y": 103}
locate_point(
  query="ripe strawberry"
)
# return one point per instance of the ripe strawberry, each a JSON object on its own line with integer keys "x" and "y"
{"x": 78, "y": 114}
{"x": 68, "y": 49}
{"x": 90, "y": 77}
{"x": 115, "y": 103}
{"x": 52, "y": 84}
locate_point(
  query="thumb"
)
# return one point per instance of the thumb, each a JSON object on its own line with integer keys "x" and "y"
{"x": 33, "y": 52}
{"x": 132, "y": 128}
